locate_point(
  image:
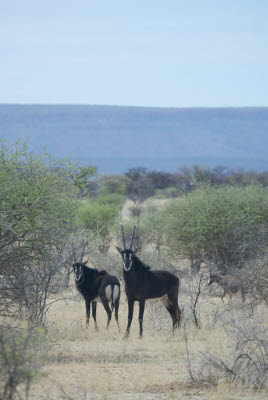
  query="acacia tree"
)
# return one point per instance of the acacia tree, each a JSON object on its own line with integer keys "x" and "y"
{"x": 83, "y": 179}
{"x": 140, "y": 185}
{"x": 224, "y": 225}
{"x": 37, "y": 197}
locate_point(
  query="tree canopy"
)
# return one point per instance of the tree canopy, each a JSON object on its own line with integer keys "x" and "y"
{"x": 223, "y": 225}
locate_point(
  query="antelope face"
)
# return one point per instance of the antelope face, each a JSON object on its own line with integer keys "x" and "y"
{"x": 78, "y": 271}
{"x": 127, "y": 257}
{"x": 127, "y": 254}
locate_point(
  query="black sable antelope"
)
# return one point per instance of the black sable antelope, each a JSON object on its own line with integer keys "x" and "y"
{"x": 141, "y": 284}
{"x": 97, "y": 286}
{"x": 229, "y": 284}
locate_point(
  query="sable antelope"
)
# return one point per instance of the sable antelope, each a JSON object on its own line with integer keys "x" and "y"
{"x": 141, "y": 284}
{"x": 229, "y": 284}
{"x": 97, "y": 286}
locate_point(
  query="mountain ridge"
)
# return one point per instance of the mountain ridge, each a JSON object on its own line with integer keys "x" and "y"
{"x": 236, "y": 136}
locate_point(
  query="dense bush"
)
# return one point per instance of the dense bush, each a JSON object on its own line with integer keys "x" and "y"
{"x": 189, "y": 178}
{"x": 142, "y": 183}
{"x": 98, "y": 218}
{"x": 110, "y": 184}
{"x": 113, "y": 198}
{"x": 224, "y": 225}
{"x": 38, "y": 200}
{"x": 136, "y": 211}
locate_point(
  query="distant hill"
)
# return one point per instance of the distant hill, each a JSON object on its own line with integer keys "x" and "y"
{"x": 116, "y": 138}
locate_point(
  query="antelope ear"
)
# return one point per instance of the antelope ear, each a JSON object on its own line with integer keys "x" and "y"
{"x": 85, "y": 263}
{"x": 119, "y": 250}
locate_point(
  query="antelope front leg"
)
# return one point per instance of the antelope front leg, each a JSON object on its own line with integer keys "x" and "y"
{"x": 130, "y": 316}
{"x": 141, "y": 312}
{"x": 87, "y": 311}
{"x": 94, "y": 309}
{"x": 116, "y": 307}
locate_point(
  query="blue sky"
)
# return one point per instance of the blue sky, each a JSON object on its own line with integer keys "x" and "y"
{"x": 168, "y": 53}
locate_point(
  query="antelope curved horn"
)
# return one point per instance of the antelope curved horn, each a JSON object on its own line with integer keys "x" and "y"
{"x": 123, "y": 236}
{"x": 132, "y": 239}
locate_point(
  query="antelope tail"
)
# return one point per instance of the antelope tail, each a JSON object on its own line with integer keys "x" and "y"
{"x": 115, "y": 293}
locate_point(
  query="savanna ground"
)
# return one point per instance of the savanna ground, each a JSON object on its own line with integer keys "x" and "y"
{"x": 84, "y": 364}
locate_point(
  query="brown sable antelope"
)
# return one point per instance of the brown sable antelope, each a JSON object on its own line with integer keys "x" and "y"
{"x": 229, "y": 284}
{"x": 142, "y": 284}
{"x": 97, "y": 286}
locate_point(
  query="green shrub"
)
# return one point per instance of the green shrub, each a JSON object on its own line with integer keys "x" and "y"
{"x": 160, "y": 195}
{"x": 135, "y": 211}
{"x": 222, "y": 225}
{"x": 112, "y": 198}
{"x": 38, "y": 203}
{"x": 110, "y": 184}
{"x": 97, "y": 217}
{"x": 173, "y": 192}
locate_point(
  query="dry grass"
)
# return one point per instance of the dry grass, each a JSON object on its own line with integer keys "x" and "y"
{"x": 84, "y": 364}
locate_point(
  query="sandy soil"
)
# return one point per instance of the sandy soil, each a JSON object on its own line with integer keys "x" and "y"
{"x": 84, "y": 364}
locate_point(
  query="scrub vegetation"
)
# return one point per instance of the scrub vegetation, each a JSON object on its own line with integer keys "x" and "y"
{"x": 194, "y": 223}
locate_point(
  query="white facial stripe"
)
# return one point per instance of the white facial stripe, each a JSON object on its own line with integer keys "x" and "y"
{"x": 78, "y": 273}
{"x": 127, "y": 260}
